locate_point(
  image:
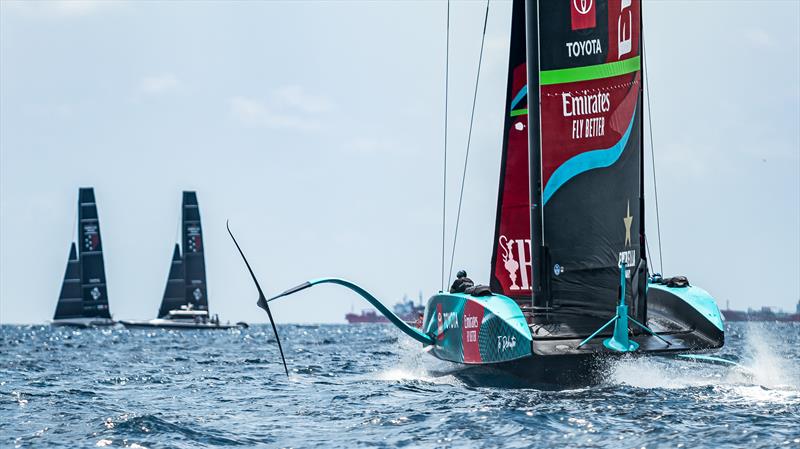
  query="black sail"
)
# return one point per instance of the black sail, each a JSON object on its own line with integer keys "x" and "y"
{"x": 194, "y": 264}
{"x": 70, "y": 301}
{"x": 589, "y": 84}
{"x": 90, "y": 252}
{"x": 174, "y": 296}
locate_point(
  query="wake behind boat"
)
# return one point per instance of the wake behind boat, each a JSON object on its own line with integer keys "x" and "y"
{"x": 570, "y": 283}
{"x": 185, "y": 301}
{"x": 83, "y": 301}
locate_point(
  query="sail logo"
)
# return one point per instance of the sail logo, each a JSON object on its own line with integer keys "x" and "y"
{"x": 513, "y": 261}
{"x": 588, "y": 104}
{"x": 623, "y": 29}
{"x": 583, "y": 14}
{"x": 628, "y": 257}
{"x": 193, "y": 241}
{"x": 91, "y": 237}
{"x": 584, "y": 48}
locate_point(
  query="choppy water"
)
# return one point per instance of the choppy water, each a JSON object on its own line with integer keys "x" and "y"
{"x": 370, "y": 386}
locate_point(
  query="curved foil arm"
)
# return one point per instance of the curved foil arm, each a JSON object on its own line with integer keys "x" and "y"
{"x": 411, "y": 331}
{"x": 262, "y": 302}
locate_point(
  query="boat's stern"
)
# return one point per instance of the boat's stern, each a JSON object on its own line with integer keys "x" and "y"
{"x": 476, "y": 329}
{"x": 689, "y": 311}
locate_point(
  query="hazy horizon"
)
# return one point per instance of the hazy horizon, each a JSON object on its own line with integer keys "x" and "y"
{"x": 316, "y": 128}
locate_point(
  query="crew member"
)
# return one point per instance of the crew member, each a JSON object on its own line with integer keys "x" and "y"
{"x": 461, "y": 283}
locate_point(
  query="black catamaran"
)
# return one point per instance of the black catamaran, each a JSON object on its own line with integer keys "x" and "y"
{"x": 570, "y": 283}
{"x": 185, "y": 301}
{"x": 83, "y": 301}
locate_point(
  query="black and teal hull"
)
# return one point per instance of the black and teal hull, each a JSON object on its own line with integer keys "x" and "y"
{"x": 496, "y": 343}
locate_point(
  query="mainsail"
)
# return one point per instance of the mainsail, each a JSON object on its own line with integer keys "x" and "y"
{"x": 90, "y": 253}
{"x": 194, "y": 264}
{"x": 174, "y": 293}
{"x": 585, "y": 157}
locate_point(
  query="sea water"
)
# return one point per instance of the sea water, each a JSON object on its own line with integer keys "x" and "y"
{"x": 370, "y": 386}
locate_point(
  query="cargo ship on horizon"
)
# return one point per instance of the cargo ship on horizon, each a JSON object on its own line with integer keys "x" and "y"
{"x": 405, "y": 309}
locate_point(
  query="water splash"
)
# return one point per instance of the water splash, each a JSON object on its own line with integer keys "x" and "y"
{"x": 657, "y": 372}
{"x": 767, "y": 359}
{"x": 767, "y": 374}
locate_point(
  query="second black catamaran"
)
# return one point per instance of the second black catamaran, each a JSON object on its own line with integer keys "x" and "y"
{"x": 570, "y": 280}
{"x": 83, "y": 301}
{"x": 185, "y": 301}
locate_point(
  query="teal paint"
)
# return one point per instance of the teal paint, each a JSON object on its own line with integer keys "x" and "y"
{"x": 620, "y": 341}
{"x": 700, "y": 300}
{"x": 501, "y": 334}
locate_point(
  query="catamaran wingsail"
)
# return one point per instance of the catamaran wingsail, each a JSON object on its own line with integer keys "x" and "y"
{"x": 570, "y": 282}
{"x": 185, "y": 301}
{"x": 83, "y": 300}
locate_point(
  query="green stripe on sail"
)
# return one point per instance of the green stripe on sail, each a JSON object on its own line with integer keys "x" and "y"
{"x": 591, "y": 72}
{"x": 517, "y": 112}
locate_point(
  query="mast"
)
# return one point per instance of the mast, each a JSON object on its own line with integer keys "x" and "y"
{"x": 539, "y": 296}
{"x": 640, "y": 290}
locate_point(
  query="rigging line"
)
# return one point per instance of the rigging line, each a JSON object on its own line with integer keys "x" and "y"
{"x": 469, "y": 139}
{"x": 444, "y": 180}
{"x": 653, "y": 159}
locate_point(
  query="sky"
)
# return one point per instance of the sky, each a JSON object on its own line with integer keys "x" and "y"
{"x": 316, "y": 128}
